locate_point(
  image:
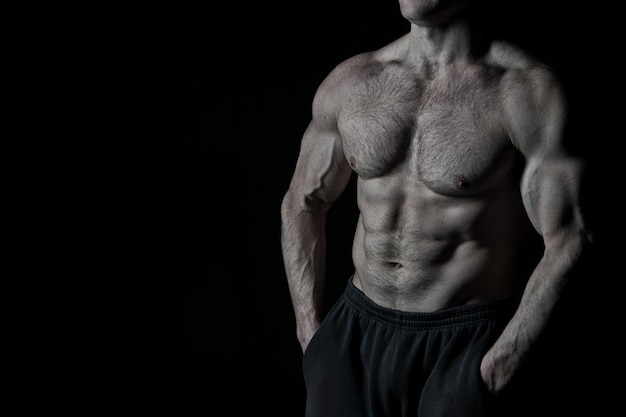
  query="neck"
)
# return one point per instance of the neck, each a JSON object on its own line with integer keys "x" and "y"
{"x": 436, "y": 47}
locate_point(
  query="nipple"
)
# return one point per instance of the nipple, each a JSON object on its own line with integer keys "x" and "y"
{"x": 460, "y": 182}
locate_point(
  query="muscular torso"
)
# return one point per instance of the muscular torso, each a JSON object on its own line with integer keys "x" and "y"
{"x": 438, "y": 186}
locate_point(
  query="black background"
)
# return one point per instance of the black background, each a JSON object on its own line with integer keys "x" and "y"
{"x": 200, "y": 112}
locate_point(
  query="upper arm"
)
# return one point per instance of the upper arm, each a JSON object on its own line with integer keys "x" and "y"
{"x": 322, "y": 172}
{"x": 552, "y": 178}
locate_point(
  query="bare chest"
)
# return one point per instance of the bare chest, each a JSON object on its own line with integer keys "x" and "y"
{"x": 447, "y": 135}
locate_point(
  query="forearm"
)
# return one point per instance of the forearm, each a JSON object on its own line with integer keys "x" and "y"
{"x": 543, "y": 292}
{"x": 303, "y": 243}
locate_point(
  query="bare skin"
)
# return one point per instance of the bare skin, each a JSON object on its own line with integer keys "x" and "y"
{"x": 458, "y": 145}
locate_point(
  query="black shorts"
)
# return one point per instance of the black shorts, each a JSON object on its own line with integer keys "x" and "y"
{"x": 367, "y": 360}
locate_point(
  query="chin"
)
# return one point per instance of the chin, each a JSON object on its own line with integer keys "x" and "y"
{"x": 431, "y": 12}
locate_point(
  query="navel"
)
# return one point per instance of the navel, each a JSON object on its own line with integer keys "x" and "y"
{"x": 396, "y": 265}
{"x": 460, "y": 182}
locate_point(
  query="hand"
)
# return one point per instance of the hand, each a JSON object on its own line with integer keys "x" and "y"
{"x": 497, "y": 370}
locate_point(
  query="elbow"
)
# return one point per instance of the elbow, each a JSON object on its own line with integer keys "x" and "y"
{"x": 573, "y": 244}
{"x": 286, "y": 206}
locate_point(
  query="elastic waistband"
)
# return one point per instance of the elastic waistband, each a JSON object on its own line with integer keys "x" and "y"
{"x": 453, "y": 316}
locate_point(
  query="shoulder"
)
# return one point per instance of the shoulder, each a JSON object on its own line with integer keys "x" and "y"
{"x": 342, "y": 80}
{"x": 532, "y": 96}
{"x": 523, "y": 74}
{"x": 353, "y": 73}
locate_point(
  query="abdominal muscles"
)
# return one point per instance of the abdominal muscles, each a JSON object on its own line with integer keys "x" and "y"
{"x": 415, "y": 250}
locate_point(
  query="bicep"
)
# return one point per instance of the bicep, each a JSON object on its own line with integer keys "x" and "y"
{"x": 552, "y": 178}
{"x": 322, "y": 172}
{"x": 551, "y": 188}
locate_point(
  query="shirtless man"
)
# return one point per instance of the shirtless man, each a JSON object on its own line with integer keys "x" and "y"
{"x": 458, "y": 144}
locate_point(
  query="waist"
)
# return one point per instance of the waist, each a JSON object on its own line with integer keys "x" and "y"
{"x": 432, "y": 291}
{"x": 500, "y": 309}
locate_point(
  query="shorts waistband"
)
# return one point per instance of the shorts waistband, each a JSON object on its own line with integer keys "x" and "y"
{"x": 452, "y": 316}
